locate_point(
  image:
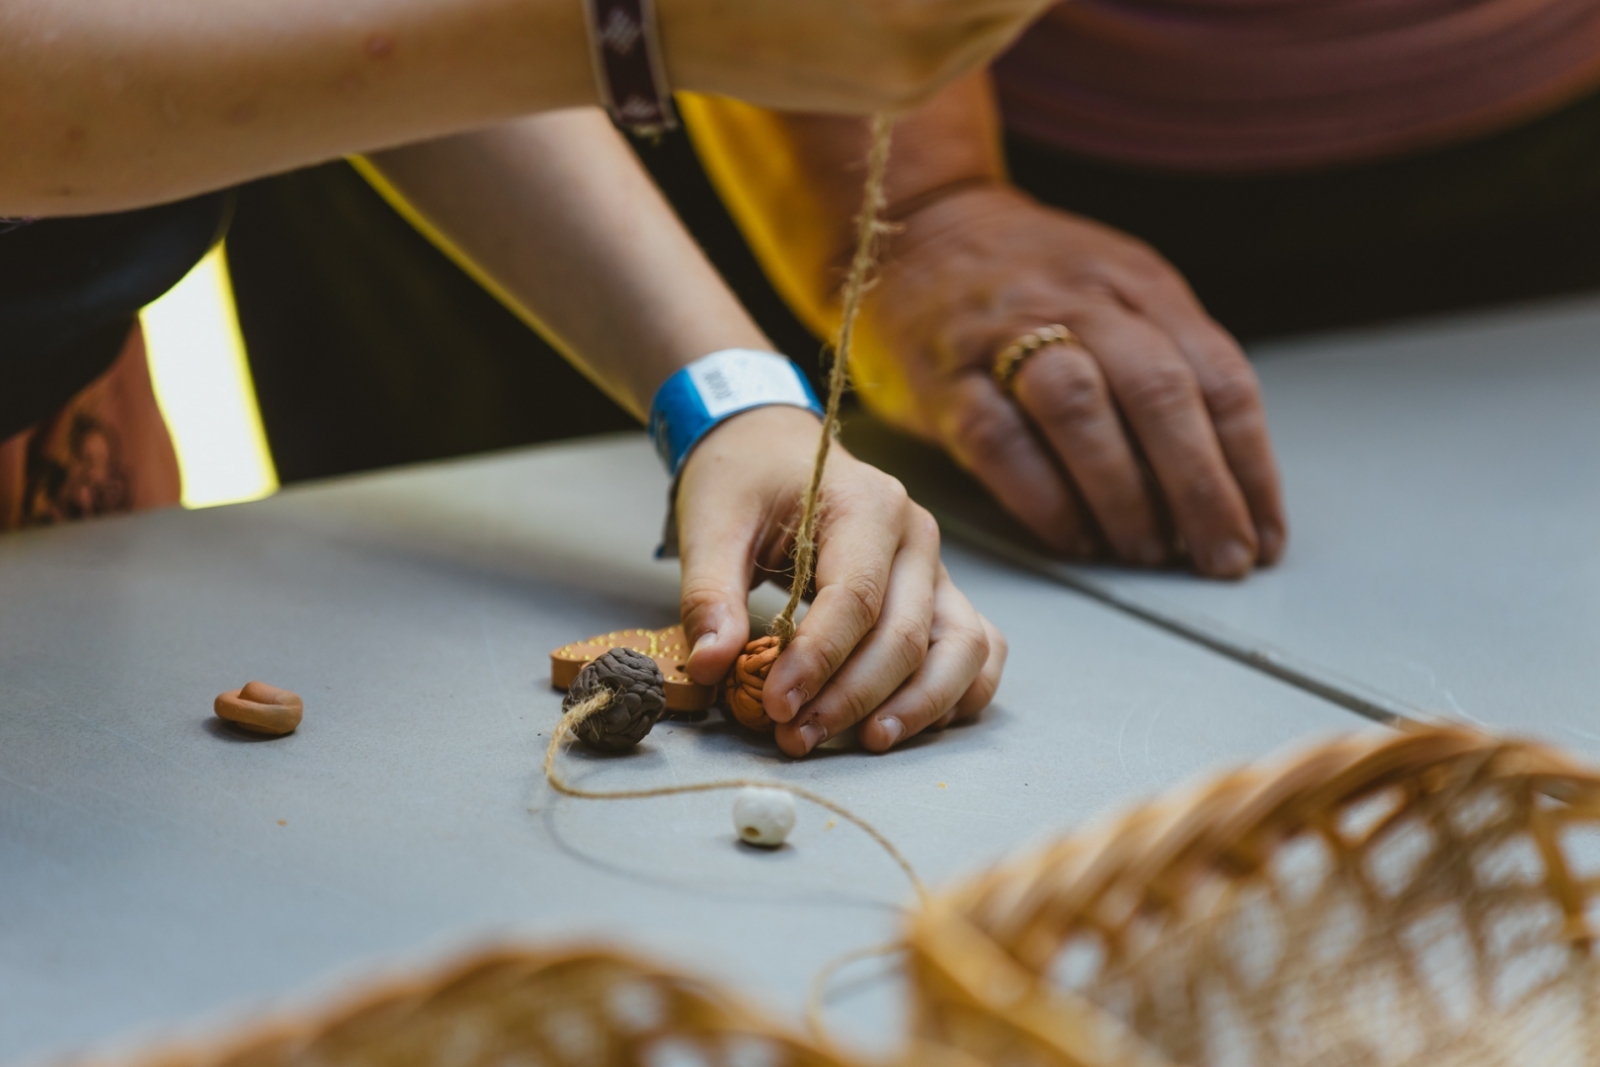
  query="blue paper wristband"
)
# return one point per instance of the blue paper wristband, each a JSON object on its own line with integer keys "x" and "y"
{"x": 715, "y": 388}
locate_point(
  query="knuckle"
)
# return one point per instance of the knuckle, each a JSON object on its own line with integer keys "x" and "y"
{"x": 1234, "y": 392}
{"x": 972, "y": 643}
{"x": 890, "y": 492}
{"x": 870, "y": 490}
{"x": 817, "y": 657}
{"x": 1097, "y": 305}
{"x": 997, "y": 645}
{"x": 856, "y": 704}
{"x": 864, "y": 594}
{"x": 908, "y": 641}
{"x": 699, "y": 596}
{"x": 1068, "y": 391}
{"x": 922, "y": 523}
{"x": 1144, "y": 266}
{"x": 986, "y": 434}
{"x": 1161, "y": 388}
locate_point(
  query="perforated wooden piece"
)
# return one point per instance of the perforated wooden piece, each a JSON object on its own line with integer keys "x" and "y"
{"x": 668, "y": 647}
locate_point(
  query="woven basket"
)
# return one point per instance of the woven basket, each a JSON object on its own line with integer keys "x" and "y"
{"x": 511, "y": 1008}
{"x": 1385, "y": 899}
{"x": 1382, "y": 900}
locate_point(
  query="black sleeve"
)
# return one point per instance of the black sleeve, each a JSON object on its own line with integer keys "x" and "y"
{"x": 71, "y": 287}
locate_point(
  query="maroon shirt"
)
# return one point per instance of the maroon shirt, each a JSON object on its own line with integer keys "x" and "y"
{"x": 1250, "y": 85}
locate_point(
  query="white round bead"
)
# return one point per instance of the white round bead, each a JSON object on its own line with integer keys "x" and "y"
{"x": 763, "y": 816}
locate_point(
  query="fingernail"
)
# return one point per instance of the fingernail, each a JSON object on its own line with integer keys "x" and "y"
{"x": 1271, "y": 538}
{"x": 1230, "y": 559}
{"x": 892, "y": 729}
{"x": 705, "y": 640}
{"x": 797, "y": 700}
{"x": 812, "y": 734}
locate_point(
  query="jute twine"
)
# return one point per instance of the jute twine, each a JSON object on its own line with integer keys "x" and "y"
{"x": 1422, "y": 899}
{"x": 581, "y": 711}
{"x": 566, "y": 730}
{"x": 749, "y": 672}
{"x": 747, "y": 679}
{"x": 869, "y": 228}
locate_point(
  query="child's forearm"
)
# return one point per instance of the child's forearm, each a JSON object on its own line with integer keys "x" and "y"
{"x": 556, "y": 215}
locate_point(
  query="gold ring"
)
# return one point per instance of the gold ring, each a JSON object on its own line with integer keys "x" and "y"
{"x": 1010, "y": 359}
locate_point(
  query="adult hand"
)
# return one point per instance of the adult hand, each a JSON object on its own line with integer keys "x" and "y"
{"x": 834, "y": 55}
{"x": 889, "y": 642}
{"x": 1147, "y": 437}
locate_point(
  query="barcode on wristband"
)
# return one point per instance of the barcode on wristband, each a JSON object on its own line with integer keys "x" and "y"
{"x": 739, "y": 379}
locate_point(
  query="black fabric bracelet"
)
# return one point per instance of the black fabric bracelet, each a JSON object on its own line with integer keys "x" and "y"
{"x": 628, "y": 66}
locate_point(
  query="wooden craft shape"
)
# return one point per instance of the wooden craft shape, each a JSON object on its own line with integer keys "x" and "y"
{"x": 668, "y": 647}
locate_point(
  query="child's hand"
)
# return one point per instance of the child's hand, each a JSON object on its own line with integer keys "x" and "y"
{"x": 889, "y": 641}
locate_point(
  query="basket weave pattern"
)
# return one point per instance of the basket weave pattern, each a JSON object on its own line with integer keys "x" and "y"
{"x": 510, "y": 1008}
{"x": 1399, "y": 899}
{"x": 1383, "y": 900}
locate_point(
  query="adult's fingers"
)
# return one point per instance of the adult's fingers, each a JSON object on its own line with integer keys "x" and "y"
{"x": 857, "y": 542}
{"x": 987, "y": 434}
{"x": 891, "y": 651}
{"x": 957, "y": 656}
{"x": 1160, "y": 396}
{"x": 716, "y": 554}
{"x": 1063, "y": 391}
{"x": 1233, "y": 396}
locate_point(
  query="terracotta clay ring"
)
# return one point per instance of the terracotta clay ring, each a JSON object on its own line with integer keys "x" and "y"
{"x": 748, "y": 679}
{"x": 261, "y": 707}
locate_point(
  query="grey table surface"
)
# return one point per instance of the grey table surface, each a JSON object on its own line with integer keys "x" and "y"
{"x": 1443, "y": 483}
{"x": 160, "y": 872}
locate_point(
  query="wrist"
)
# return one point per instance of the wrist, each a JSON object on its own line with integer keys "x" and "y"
{"x": 766, "y": 439}
{"x": 773, "y": 430}
{"x": 713, "y": 389}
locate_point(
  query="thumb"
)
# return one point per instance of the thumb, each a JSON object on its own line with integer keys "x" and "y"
{"x": 716, "y": 589}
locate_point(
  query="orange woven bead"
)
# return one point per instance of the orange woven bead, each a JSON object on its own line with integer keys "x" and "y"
{"x": 746, "y": 681}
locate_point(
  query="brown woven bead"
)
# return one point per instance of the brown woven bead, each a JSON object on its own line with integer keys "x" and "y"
{"x": 638, "y": 699}
{"x": 261, "y": 707}
{"x": 746, "y": 681}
